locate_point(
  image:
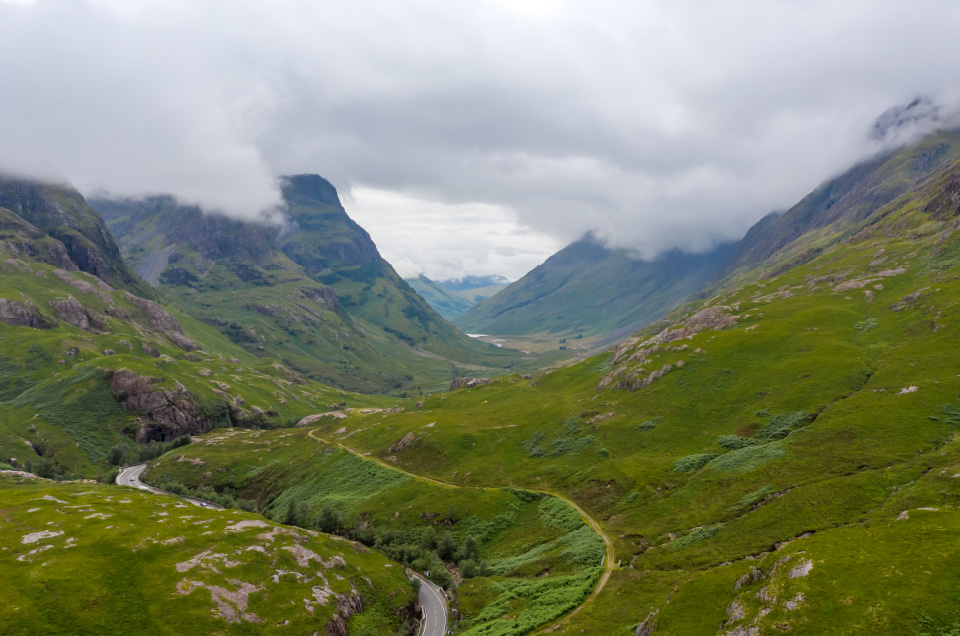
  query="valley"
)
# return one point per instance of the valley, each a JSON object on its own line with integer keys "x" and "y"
{"x": 774, "y": 448}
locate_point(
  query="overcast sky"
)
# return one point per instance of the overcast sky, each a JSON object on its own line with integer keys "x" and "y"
{"x": 471, "y": 137}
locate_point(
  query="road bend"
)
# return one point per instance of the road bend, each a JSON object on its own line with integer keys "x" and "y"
{"x": 130, "y": 476}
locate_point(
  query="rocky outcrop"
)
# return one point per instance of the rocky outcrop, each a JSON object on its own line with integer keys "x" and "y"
{"x": 468, "y": 383}
{"x": 162, "y": 321}
{"x": 629, "y": 357}
{"x": 72, "y": 312}
{"x": 323, "y": 296}
{"x": 347, "y": 606}
{"x": 167, "y": 414}
{"x": 408, "y": 440}
{"x": 23, "y": 313}
{"x": 648, "y": 625}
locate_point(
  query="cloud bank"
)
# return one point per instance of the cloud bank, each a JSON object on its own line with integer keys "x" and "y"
{"x": 655, "y": 124}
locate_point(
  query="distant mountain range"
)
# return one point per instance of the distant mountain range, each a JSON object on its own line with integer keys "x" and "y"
{"x": 591, "y": 289}
{"x": 452, "y": 298}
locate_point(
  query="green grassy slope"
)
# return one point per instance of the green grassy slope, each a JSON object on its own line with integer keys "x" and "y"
{"x": 524, "y": 541}
{"x": 587, "y": 288}
{"x": 57, "y": 406}
{"x": 797, "y": 416}
{"x": 314, "y": 293}
{"x": 58, "y": 213}
{"x": 90, "y": 559}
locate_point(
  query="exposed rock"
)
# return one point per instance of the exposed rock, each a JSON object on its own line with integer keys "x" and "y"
{"x": 801, "y": 570}
{"x": 743, "y": 631}
{"x": 735, "y": 612}
{"x": 23, "y": 313}
{"x": 323, "y": 296}
{"x": 168, "y": 414}
{"x": 468, "y": 383}
{"x": 310, "y": 419}
{"x": 149, "y": 349}
{"x": 398, "y": 446}
{"x": 182, "y": 341}
{"x": 751, "y": 576}
{"x": 109, "y": 352}
{"x": 908, "y": 300}
{"x": 794, "y": 603}
{"x": 347, "y": 606}
{"x": 72, "y": 312}
{"x": 648, "y": 625}
{"x": 158, "y": 317}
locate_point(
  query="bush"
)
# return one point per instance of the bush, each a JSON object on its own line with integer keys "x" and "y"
{"x": 734, "y": 442}
{"x": 698, "y": 535}
{"x": 780, "y": 426}
{"x": 649, "y": 424}
{"x": 692, "y": 463}
{"x": 746, "y": 459}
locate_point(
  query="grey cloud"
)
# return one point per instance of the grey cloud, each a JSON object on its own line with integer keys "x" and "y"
{"x": 655, "y": 124}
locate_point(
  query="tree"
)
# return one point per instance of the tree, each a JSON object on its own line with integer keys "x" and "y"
{"x": 468, "y": 569}
{"x": 447, "y": 547}
{"x": 452, "y": 514}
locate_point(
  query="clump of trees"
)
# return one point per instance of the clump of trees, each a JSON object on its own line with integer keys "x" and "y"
{"x": 423, "y": 549}
{"x": 125, "y": 454}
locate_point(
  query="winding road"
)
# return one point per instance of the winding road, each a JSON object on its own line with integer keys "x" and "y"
{"x": 608, "y": 562}
{"x": 130, "y": 476}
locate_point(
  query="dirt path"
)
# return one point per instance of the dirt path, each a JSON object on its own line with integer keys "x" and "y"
{"x": 608, "y": 561}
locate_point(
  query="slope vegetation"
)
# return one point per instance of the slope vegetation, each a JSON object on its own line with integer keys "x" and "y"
{"x": 312, "y": 292}
{"x": 87, "y": 559}
{"x": 780, "y": 457}
{"x": 586, "y": 288}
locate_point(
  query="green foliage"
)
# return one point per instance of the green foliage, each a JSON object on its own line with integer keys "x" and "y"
{"x": 692, "y": 463}
{"x": 747, "y": 458}
{"x": 734, "y": 442}
{"x": 696, "y": 536}
{"x": 866, "y": 325}
{"x": 649, "y": 424}
{"x": 559, "y": 514}
{"x": 779, "y": 426}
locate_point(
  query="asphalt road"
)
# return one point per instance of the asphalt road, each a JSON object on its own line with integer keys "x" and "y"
{"x": 433, "y": 604}
{"x": 130, "y": 476}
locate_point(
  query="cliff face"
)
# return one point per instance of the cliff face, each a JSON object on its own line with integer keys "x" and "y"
{"x": 59, "y": 213}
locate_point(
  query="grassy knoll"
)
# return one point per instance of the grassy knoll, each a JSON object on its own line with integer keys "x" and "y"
{"x": 90, "y": 559}
{"x": 523, "y": 558}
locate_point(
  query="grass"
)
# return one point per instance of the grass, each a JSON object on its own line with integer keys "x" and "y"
{"x": 108, "y": 561}
{"x": 519, "y": 536}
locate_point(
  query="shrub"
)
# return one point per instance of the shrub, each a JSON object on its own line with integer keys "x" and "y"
{"x": 780, "y": 426}
{"x": 734, "y": 442}
{"x": 649, "y": 424}
{"x": 746, "y": 459}
{"x": 698, "y": 535}
{"x": 692, "y": 463}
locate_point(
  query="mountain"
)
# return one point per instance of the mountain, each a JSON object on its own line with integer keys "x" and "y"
{"x": 590, "y": 289}
{"x": 587, "y": 288}
{"x": 313, "y": 291}
{"x": 443, "y": 301}
{"x": 781, "y": 457}
{"x": 56, "y": 220}
{"x": 452, "y": 298}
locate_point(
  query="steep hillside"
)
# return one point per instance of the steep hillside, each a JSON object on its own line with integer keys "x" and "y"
{"x": 590, "y": 289}
{"x": 587, "y": 288}
{"x": 499, "y": 544}
{"x": 88, "y": 371}
{"x": 90, "y": 559}
{"x": 53, "y": 223}
{"x": 313, "y": 292}
{"x": 781, "y": 457}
